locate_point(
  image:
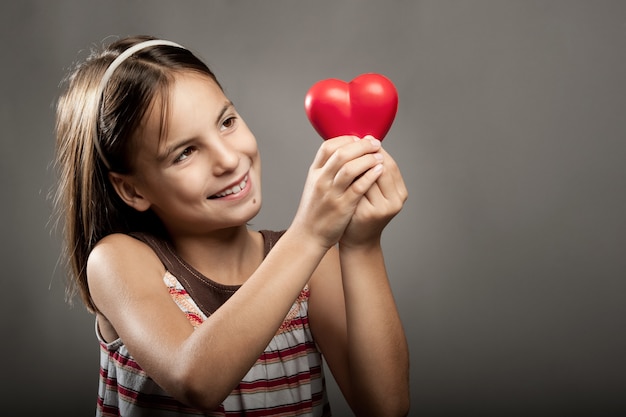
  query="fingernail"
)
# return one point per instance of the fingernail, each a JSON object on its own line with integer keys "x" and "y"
{"x": 378, "y": 156}
{"x": 374, "y": 141}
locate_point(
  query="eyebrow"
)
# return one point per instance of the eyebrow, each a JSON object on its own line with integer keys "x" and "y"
{"x": 185, "y": 142}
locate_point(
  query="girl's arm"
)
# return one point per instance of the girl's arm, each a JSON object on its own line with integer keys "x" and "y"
{"x": 202, "y": 366}
{"x": 198, "y": 367}
{"x": 352, "y": 311}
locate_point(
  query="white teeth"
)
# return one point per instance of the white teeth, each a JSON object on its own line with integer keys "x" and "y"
{"x": 234, "y": 190}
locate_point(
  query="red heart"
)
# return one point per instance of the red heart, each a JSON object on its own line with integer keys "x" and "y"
{"x": 366, "y": 105}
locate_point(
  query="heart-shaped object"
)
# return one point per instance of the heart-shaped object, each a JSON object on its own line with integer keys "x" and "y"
{"x": 367, "y": 105}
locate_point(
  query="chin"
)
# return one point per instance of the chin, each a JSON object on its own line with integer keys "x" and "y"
{"x": 257, "y": 208}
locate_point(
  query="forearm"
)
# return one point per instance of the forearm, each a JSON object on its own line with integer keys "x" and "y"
{"x": 231, "y": 340}
{"x": 377, "y": 349}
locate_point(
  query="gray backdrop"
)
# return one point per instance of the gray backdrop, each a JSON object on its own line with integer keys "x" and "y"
{"x": 508, "y": 261}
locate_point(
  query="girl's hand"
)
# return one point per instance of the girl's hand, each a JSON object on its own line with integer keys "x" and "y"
{"x": 379, "y": 205}
{"x": 343, "y": 171}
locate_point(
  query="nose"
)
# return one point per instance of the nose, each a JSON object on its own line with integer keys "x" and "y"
{"x": 224, "y": 157}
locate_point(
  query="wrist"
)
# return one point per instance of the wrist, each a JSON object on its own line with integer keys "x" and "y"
{"x": 305, "y": 241}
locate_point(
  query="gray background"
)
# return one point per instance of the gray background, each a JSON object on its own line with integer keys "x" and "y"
{"x": 508, "y": 261}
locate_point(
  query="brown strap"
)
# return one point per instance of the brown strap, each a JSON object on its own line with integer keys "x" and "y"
{"x": 207, "y": 294}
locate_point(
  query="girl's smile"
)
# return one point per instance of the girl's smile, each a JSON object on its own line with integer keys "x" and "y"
{"x": 207, "y": 157}
{"x": 239, "y": 190}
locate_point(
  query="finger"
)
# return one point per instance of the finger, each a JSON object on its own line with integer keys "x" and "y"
{"x": 345, "y": 148}
{"x": 328, "y": 148}
{"x": 356, "y": 168}
{"x": 391, "y": 183}
{"x": 393, "y": 169}
{"x": 351, "y": 151}
{"x": 365, "y": 182}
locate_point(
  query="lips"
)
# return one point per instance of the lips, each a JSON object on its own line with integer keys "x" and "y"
{"x": 232, "y": 190}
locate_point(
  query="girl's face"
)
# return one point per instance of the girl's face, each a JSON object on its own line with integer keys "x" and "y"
{"x": 205, "y": 173}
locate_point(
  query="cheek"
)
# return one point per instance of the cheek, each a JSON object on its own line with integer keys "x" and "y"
{"x": 188, "y": 186}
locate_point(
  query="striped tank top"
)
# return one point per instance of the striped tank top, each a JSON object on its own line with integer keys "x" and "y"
{"x": 286, "y": 380}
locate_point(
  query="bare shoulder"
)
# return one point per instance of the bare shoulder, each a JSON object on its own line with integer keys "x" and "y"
{"x": 120, "y": 250}
{"x": 118, "y": 257}
{"x": 121, "y": 242}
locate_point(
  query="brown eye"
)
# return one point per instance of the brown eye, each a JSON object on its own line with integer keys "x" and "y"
{"x": 184, "y": 155}
{"x": 229, "y": 123}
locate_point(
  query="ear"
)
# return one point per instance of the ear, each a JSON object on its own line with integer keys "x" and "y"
{"x": 126, "y": 188}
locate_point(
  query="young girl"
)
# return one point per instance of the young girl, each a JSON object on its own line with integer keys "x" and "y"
{"x": 195, "y": 313}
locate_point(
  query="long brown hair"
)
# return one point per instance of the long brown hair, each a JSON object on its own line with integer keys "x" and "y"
{"x": 86, "y": 205}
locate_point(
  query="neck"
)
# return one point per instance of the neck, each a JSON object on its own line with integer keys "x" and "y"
{"x": 227, "y": 256}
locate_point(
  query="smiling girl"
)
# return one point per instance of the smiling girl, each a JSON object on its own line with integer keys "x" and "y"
{"x": 196, "y": 314}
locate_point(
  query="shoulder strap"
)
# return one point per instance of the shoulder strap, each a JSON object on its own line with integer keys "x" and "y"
{"x": 270, "y": 238}
{"x": 208, "y": 294}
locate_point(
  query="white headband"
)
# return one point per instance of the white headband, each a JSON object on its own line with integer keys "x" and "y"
{"x": 107, "y": 75}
